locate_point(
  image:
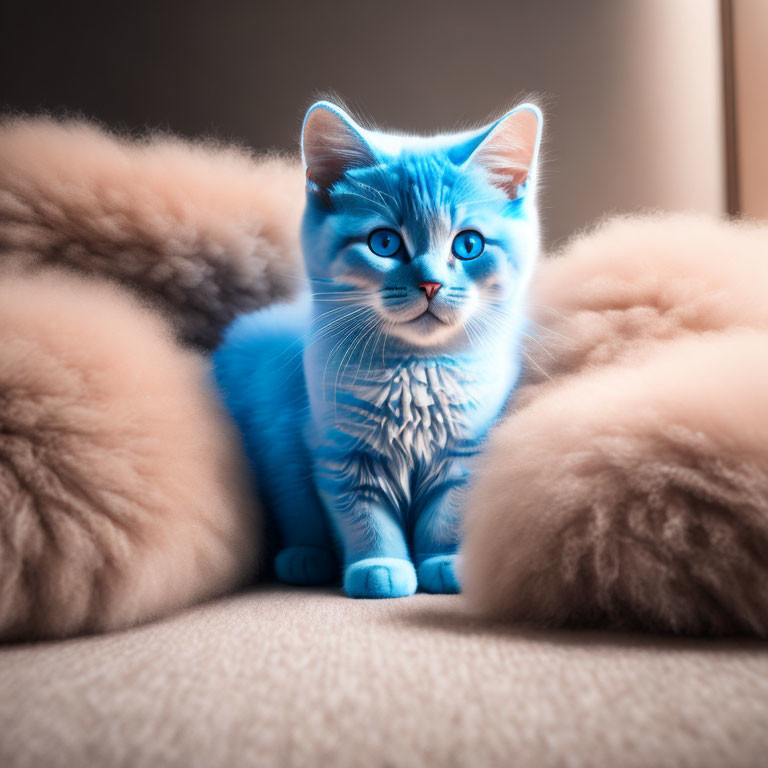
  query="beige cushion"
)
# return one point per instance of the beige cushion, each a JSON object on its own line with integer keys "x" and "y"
{"x": 283, "y": 677}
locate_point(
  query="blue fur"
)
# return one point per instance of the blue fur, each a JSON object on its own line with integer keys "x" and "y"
{"x": 362, "y": 417}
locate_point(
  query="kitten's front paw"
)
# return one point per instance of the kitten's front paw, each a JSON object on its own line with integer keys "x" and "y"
{"x": 438, "y": 575}
{"x": 377, "y": 577}
{"x": 306, "y": 566}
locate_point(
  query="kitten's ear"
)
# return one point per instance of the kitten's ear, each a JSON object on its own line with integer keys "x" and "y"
{"x": 332, "y": 143}
{"x": 509, "y": 150}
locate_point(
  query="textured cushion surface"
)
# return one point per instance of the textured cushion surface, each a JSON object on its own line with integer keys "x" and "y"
{"x": 288, "y": 677}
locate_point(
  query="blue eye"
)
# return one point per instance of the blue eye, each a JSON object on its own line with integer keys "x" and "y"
{"x": 468, "y": 244}
{"x": 384, "y": 242}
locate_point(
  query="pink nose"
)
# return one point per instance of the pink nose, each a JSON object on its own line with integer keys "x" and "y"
{"x": 430, "y": 289}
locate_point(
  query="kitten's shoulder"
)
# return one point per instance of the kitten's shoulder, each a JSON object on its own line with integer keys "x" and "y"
{"x": 260, "y": 354}
{"x": 268, "y": 326}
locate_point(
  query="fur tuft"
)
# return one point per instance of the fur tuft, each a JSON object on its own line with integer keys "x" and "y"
{"x": 205, "y": 232}
{"x": 122, "y": 491}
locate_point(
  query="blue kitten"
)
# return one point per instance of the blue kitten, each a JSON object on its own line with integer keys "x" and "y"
{"x": 365, "y": 403}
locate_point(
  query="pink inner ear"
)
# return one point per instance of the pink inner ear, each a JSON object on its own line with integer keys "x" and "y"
{"x": 508, "y": 152}
{"x": 511, "y": 179}
{"x": 331, "y": 146}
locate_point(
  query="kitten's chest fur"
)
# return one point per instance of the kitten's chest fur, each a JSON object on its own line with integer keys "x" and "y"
{"x": 414, "y": 411}
{"x": 402, "y": 430}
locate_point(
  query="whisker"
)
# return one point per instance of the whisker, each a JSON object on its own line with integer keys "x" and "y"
{"x": 356, "y": 326}
{"x": 317, "y": 334}
{"x": 536, "y": 341}
{"x": 379, "y": 333}
{"x": 536, "y": 365}
{"x": 549, "y": 330}
{"x": 544, "y": 306}
{"x": 370, "y": 334}
{"x": 379, "y": 192}
{"x": 347, "y": 355}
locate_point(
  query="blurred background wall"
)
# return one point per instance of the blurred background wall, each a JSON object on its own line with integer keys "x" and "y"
{"x": 750, "y": 54}
{"x": 632, "y": 88}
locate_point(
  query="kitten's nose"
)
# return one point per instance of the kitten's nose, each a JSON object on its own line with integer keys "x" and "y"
{"x": 430, "y": 289}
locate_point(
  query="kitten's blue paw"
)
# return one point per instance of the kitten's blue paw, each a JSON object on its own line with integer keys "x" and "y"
{"x": 438, "y": 575}
{"x": 380, "y": 577}
{"x": 306, "y": 566}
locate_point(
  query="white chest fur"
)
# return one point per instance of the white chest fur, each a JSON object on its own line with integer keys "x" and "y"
{"x": 414, "y": 410}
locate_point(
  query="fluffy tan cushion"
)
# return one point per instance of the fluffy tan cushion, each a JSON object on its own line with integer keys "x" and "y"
{"x": 203, "y": 231}
{"x": 613, "y": 294}
{"x": 122, "y": 492}
{"x": 630, "y": 487}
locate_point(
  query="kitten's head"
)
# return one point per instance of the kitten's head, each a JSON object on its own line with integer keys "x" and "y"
{"x": 435, "y": 236}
